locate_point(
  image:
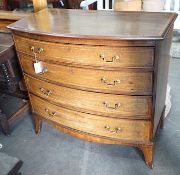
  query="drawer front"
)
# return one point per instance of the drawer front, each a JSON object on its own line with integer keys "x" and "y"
{"x": 136, "y": 130}
{"x": 94, "y": 103}
{"x": 118, "y": 82}
{"x": 98, "y": 56}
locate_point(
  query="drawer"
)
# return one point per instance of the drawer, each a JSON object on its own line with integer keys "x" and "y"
{"x": 136, "y": 130}
{"x": 97, "y": 56}
{"x": 118, "y": 82}
{"x": 91, "y": 102}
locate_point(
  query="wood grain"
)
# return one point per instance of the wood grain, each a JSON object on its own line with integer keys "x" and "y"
{"x": 131, "y": 82}
{"x": 86, "y": 41}
{"x": 8, "y": 17}
{"x": 39, "y": 5}
{"x": 162, "y": 69}
{"x": 130, "y": 106}
{"x": 97, "y": 24}
{"x": 3, "y": 25}
{"x": 97, "y": 56}
{"x": 13, "y": 16}
{"x": 148, "y": 154}
{"x": 129, "y": 129}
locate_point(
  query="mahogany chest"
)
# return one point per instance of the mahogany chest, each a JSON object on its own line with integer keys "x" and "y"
{"x": 100, "y": 76}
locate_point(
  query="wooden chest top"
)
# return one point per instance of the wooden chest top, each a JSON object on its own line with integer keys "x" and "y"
{"x": 97, "y": 24}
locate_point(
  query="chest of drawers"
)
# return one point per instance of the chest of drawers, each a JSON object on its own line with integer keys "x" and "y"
{"x": 102, "y": 75}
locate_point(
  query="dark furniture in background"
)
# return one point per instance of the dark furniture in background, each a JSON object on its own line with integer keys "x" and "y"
{"x": 10, "y": 73}
{"x": 27, "y": 5}
{"x": 11, "y": 81}
{"x": 3, "y": 4}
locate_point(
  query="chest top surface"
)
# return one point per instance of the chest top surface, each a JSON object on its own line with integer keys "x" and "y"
{"x": 97, "y": 24}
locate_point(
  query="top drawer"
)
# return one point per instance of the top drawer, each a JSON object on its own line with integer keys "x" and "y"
{"x": 93, "y": 56}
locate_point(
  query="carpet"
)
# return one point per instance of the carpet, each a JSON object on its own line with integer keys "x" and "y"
{"x": 175, "y": 48}
{"x": 168, "y": 100}
{"x": 175, "y": 53}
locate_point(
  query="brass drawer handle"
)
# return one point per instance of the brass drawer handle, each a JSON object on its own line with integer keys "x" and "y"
{"x": 51, "y": 114}
{"x": 36, "y": 51}
{"x": 45, "y": 92}
{"x": 115, "y": 130}
{"x": 115, "y": 57}
{"x": 115, "y": 82}
{"x": 116, "y": 106}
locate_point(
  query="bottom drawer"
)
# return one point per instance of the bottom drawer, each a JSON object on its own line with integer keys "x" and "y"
{"x": 135, "y": 130}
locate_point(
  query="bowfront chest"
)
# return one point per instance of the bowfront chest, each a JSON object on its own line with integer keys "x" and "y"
{"x": 99, "y": 76}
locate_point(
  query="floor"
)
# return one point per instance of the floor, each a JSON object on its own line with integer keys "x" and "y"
{"x": 54, "y": 153}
